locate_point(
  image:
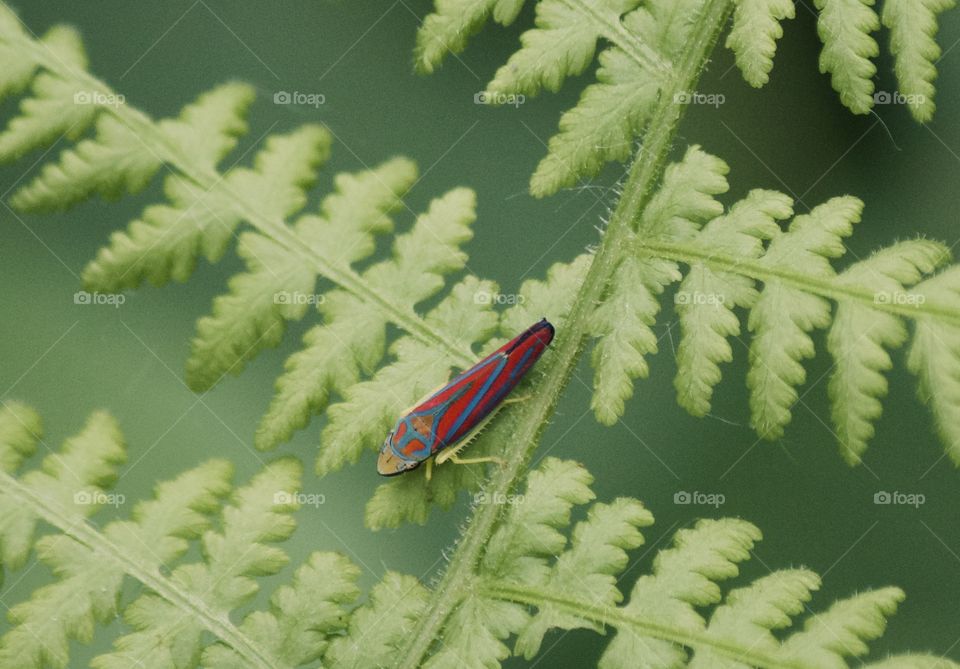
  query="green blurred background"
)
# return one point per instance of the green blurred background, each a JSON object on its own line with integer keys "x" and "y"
{"x": 793, "y": 135}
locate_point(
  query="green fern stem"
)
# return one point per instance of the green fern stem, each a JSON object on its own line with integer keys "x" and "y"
{"x": 827, "y": 288}
{"x": 648, "y": 165}
{"x": 217, "y": 624}
{"x": 613, "y": 617}
{"x": 207, "y": 179}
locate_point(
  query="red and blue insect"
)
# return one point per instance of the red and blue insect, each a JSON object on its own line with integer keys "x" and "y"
{"x": 438, "y": 424}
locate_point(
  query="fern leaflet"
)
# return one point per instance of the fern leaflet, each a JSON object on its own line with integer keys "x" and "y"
{"x": 178, "y": 604}
{"x": 743, "y": 259}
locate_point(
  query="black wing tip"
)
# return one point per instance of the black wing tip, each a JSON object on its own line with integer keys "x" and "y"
{"x": 543, "y": 325}
{"x": 548, "y": 326}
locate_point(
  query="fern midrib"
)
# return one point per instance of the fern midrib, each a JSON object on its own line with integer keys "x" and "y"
{"x": 827, "y": 287}
{"x": 207, "y": 179}
{"x": 191, "y": 606}
{"x": 648, "y": 165}
{"x": 615, "y": 33}
{"x": 618, "y": 619}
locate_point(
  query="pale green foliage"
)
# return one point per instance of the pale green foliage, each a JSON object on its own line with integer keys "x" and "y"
{"x": 753, "y": 37}
{"x": 353, "y": 334}
{"x": 587, "y": 570}
{"x": 20, "y": 430}
{"x": 783, "y": 316}
{"x": 744, "y": 260}
{"x": 622, "y": 322}
{"x": 860, "y": 338}
{"x": 637, "y": 44}
{"x": 533, "y": 578}
{"x": 250, "y": 317}
{"x": 643, "y": 39}
{"x": 913, "y": 26}
{"x": 73, "y": 479}
{"x": 845, "y": 27}
{"x": 751, "y": 614}
{"x": 180, "y": 602}
{"x": 532, "y": 575}
{"x": 52, "y": 111}
{"x": 935, "y": 359}
{"x": 453, "y": 22}
{"x": 298, "y": 263}
{"x": 301, "y": 617}
{"x": 166, "y": 242}
{"x": 535, "y": 575}
{"x": 706, "y": 333}
{"x": 381, "y": 626}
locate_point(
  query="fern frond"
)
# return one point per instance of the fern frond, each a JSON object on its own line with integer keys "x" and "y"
{"x": 250, "y": 318}
{"x": 753, "y": 37}
{"x": 180, "y": 603}
{"x": 860, "y": 338}
{"x": 20, "y": 430}
{"x": 380, "y": 627}
{"x": 706, "y": 298}
{"x": 751, "y": 614}
{"x": 56, "y": 107}
{"x": 588, "y": 569}
{"x": 935, "y": 358}
{"x": 532, "y": 579}
{"x": 535, "y": 575}
{"x": 302, "y": 616}
{"x": 783, "y": 316}
{"x": 913, "y": 27}
{"x": 20, "y": 66}
{"x": 787, "y": 282}
{"x": 622, "y": 322}
{"x": 551, "y": 297}
{"x": 642, "y": 42}
{"x": 844, "y": 27}
{"x": 285, "y": 260}
{"x": 73, "y": 479}
{"x": 453, "y": 22}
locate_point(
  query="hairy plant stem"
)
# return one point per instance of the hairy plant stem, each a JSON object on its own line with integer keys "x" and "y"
{"x": 609, "y": 616}
{"x": 646, "y": 170}
{"x": 191, "y": 606}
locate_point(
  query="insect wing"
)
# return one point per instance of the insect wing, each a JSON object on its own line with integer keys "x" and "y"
{"x": 473, "y": 394}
